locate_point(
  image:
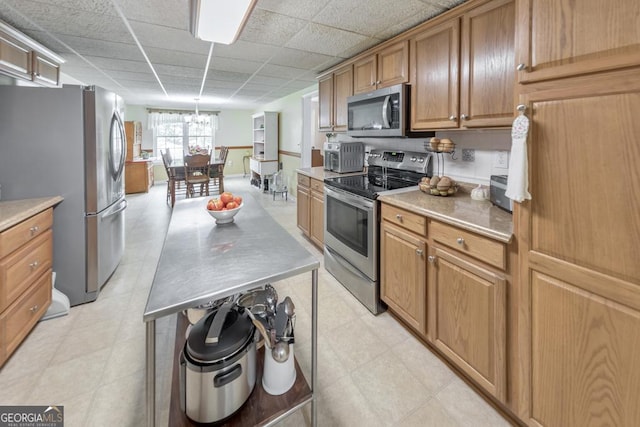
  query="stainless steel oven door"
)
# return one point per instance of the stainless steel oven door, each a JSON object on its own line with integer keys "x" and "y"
{"x": 351, "y": 229}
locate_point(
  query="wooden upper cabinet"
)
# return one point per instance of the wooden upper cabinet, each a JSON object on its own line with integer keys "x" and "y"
{"x": 325, "y": 102}
{"x": 387, "y": 67}
{"x": 342, "y": 89}
{"x": 560, "y": 38}
{"x": 333, "y": 90}
{"x": 45, "y": 71}
{"x": 15, "y": 58}
{"x": 434, "y": 76}
{"x": 487, "y": 76}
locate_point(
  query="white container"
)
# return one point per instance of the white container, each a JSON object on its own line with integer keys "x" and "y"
{"x": 277, "y": 377}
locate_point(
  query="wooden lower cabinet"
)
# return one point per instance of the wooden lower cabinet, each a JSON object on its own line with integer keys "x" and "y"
{"x": 310, "y": 206}
{"x": 138, "y": 176}
{"x": 468, "y": 310}
{"x": 403, "y": 277}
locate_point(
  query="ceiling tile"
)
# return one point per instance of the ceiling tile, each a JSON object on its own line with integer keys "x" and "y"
{"x": 159, "y": 36}
{"x": 166, "y": 13}
{"x": 300, "y": 59}
{"x": 325, "y": 40}
{"x": 246, "y": 50}
{"x": 270, "y": 28}
{"x": 294, "y": 8}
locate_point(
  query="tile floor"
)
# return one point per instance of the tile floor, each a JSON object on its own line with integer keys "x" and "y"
{"x": 371, "y": 371}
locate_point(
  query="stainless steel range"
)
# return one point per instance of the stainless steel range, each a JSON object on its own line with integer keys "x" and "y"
{"x": 351, "y": 236}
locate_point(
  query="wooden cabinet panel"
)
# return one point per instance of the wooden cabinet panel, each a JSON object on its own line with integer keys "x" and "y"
{"x": 487, "y": 77}
{"x": 15, "y": 58}
{"x": 325, "y": 103}
{"x": 435, "y": 68}
{"x": 343, "y": 88}
{"x": 387, "y": 67}
{"x": 403, "y": 218}
{"x": 45, "y": 71}
{"x": 138, "y": 176}
{"x": 365, "y": 74}
{"x": 403, "y": 276}
{"x": 482, "y": 248}
{"x": 18, "y": 270}
{"x": 598, "y": 228}
{"x": 303, "y": 200}
{"x": 316, "y": 214}
{"x": 17, "y": 320}
{"x": 584, "y": 351}
{"x": 560, "y": 38}
{"x": 16, "y": 236}
{"x": 468, "y": 319}
{"x": 133, "y": 134}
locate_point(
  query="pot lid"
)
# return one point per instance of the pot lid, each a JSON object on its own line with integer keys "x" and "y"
{"x": 219, "y": 334}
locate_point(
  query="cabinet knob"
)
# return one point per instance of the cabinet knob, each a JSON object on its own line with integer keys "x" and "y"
{"x": 378, "y": 82}
{"x": 464, "y": 117}
{"x": 419, "y": 252}
{"x": 452, "y": 118}
{"x": 34, "y": 308}
{"x": 521, "y": 67}
{"x": 34, "y": 229}
{"x": 399, "y": 217}
{"x": 34, "y": 265}
{"x": 460, "y": 241}
{"x": 431, "y": 259}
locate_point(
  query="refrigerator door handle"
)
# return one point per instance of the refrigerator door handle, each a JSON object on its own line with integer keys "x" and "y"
{"x": 117, "y": 210}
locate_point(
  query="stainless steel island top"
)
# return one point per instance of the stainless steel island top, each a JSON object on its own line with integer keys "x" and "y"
{"x": 202, "y": 261}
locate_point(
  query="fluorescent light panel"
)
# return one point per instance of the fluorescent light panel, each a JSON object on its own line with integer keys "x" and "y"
{"x": 219, "y": 21}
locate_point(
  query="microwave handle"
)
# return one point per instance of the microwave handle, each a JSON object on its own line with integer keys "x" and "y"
{"x": 386, "y": 112}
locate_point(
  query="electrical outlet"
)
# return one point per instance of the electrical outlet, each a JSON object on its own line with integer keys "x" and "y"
{"x": 229, "y": 162}
{"x": 501, "y": 159}
{"x": 468, "y": 155}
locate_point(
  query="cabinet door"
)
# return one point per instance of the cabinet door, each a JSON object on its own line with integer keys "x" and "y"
{"x": 403, "y": 276}
{"x": 434, "y": 88}
{"x": 15, "y": 58}
{"x": 45, "y": 71}
{"x": 343, "y": 88}
{"x": 487, "y": 67}
{"x": 364, "y": 74}
{"x": 316, "y": 228}
{"x": 325, "y": 103}
{"x": 304, "y": 201}
{"x": 468, "y": 319}
{"x": 560, "y": 38}
{"x": 393, "y": 65}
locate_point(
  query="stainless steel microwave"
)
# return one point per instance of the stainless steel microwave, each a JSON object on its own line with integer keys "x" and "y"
{"x": 380, "y": 113}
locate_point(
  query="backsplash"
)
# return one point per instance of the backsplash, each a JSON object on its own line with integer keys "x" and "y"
{"x": 488, "y": 152}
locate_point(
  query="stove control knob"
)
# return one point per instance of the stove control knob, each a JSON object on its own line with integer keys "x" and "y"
{"x": 413, "y": 159}
{"x": 421, "y": 160}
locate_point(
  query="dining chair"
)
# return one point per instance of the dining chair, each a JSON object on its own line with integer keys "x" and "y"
{"x": 175, "y": 176}
{"x": 196, "y": 172}
{"x": 216, "y": 172}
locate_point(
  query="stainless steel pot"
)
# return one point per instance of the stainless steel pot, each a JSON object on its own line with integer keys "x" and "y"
{"x": 218, "y": 365}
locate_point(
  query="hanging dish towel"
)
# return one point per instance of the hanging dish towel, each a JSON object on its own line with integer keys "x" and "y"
{"x": 518, "y": 182}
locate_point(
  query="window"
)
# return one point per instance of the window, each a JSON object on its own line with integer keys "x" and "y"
{"x": 180, "y": 132}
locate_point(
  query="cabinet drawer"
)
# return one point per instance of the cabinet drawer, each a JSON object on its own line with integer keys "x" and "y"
{"x": 17, "y": 320}
{"x": 403, "y": 218}
{"x": 304, "y": 180}
{"x": 18, "y": 270}
{"x": 18, "y": 235}
{"x": 482, "y": 248}
{"x": 317, "y": 185}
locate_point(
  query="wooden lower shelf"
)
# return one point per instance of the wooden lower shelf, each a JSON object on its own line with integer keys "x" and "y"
{"x": 260, "y": 409}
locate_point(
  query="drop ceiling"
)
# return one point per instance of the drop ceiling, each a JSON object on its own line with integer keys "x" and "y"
{"x": 283, "y": 47}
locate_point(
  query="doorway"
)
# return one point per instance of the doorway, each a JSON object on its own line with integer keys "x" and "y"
{"x": 310, "y": 135}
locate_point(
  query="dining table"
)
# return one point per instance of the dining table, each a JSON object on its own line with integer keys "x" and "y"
{"x": 176, "y": 169}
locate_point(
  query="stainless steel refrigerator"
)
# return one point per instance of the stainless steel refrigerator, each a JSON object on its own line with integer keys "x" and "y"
{"x": 70, "y": 142}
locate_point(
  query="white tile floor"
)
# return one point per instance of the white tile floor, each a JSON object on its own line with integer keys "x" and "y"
{"x": 371, "y": 371}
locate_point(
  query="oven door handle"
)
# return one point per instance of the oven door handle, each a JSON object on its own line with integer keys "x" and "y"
{"x": 345, "y": 264}
{"x": 346, "y": 197}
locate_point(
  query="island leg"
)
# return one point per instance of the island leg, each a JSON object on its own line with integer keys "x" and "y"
{"x": 314, "y": 346}
{"x": 151, "y": 373}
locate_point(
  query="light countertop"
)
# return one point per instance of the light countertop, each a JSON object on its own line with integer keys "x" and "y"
{"x": 13, "y": 212}
{"x": 478, "y": 216}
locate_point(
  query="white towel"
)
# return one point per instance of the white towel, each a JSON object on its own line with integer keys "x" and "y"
{"x": 518, "y": 181}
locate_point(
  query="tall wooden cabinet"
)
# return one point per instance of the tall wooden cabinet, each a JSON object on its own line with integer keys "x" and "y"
{"x": 580, "y": 299}
{"x": 138, "y": 172}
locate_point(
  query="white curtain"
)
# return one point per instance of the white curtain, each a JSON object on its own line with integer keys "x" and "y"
{"x": 157, "y": 118}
